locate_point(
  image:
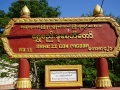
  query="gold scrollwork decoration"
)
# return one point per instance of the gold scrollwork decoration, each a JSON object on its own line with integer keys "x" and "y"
{"x": 64, "y": 55}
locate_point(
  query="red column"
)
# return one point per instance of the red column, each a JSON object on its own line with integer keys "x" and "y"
{"x": 23, "y": 82}
{"x": 102, "y": 80}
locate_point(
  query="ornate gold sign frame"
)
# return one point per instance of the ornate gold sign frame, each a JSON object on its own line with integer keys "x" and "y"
{"x": 13, "y": 21}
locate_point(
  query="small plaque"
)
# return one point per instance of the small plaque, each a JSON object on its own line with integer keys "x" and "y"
{"x": 63, "y": 76}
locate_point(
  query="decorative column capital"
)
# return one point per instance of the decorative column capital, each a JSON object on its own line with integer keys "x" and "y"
{"x": 23, "y": 83}
{"x": 98, "y": 12}
{"x": 25, "y": 12}
{"x": 103, "y": 82}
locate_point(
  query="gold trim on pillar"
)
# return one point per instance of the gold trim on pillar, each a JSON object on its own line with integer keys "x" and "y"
{"x": 23, "y": 83}
{"x": 103, "y": 82}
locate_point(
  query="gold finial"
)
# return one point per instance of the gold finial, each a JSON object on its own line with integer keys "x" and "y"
{"x": 98, "y": 11}
{"x": 25, "y": 12}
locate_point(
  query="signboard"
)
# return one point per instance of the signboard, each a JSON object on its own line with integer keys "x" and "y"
{"x": 63, "y": 76}
{"x": 85, "y": 37}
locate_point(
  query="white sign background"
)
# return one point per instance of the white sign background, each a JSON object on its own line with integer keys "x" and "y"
{"x": 63, "y": 76}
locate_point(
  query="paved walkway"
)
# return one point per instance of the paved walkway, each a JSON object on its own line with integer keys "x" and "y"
{"x": 114, "y": 88}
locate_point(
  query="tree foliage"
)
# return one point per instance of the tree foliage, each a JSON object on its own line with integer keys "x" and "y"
{"x": 38, "y": 8}
{"x": 3, "y": 19}
{"x": 88, "y": 69}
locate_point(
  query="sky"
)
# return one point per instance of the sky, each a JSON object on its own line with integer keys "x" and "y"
{"x": 75, "y": 8}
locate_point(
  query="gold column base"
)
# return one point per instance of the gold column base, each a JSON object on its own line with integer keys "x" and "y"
{"x": 103, "y": 82}
{"x": 23, "y": 83}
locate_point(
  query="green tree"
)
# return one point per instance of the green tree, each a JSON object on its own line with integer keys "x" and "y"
{"x": 38, "y": 8}
{"x": 3, "y": 19}
{"x": 88, "y": 69}
{"x": 118, "y": 19}
{"x": 2, "y": 13}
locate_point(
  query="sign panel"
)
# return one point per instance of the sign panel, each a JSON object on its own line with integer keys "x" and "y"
{"x": 85, "y": 37}
{"x": 63, "y": 76}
